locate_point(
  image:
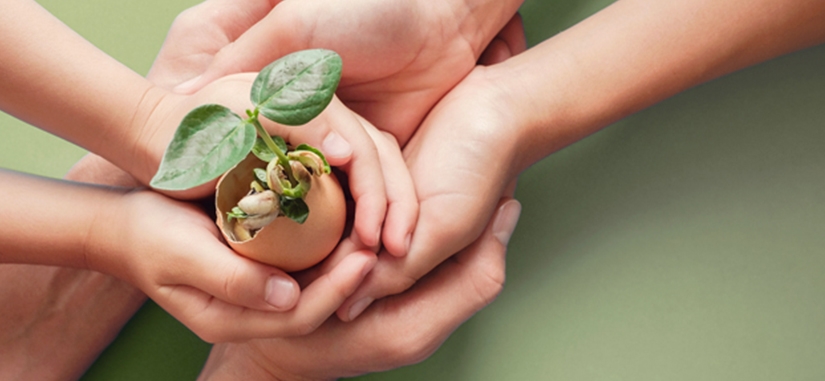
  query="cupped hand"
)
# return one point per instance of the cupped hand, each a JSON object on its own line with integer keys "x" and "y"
{"x": 398, "y": 330}
{"x": 337, "y": 131}
{"x": 172, "y": 251}
{"x": 399, "y": 58}
{"x": 462, "y": 160}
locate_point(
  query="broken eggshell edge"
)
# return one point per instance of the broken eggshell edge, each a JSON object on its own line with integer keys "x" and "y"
{"x": 284, "y": 243}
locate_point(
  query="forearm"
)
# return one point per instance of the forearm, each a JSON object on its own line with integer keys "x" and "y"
{"x": 636, "y": 53}
{"x": 48, "y": 221}
{"x": 54, "y": 79}
{"x": 61, "y": 320}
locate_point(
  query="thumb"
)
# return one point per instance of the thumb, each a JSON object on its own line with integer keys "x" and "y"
{"x": 279, "y": 33}
{"x": 220, "y": 272}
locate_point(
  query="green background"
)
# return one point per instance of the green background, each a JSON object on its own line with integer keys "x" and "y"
{"x": 682, "y": 243}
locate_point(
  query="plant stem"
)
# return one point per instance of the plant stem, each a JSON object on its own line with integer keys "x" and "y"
{"x": 282, "y": 159}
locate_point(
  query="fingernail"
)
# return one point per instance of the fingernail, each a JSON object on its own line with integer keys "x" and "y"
{"x": 280, "y": 292}
{"x": 359, "y": 307}
{"x": 186, "y": 87}
{"x": 334, "y": 145}
{"x": 369, "y": 266}
{"x": 506, "y": 220}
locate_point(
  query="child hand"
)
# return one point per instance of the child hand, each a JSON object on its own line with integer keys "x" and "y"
{"x": 172, "y": 251}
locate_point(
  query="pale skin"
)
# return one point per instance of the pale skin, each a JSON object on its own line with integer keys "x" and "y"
{"x": 399, "y": 330}
{"x": 630, "y": 55}
{"x": 393, "y": 78}
{"x": 624, "y": 58}
{"x": 41, "y": 324}
{"x": 396, "y": 69}
{"x": 619, "y": 61}
{"x": 98, "y": 103}
{"x": 101, "y": 105}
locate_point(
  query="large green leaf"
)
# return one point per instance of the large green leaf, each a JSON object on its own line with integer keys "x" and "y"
{"x": 297, "y": 87}
{"x": 209, "y": 141}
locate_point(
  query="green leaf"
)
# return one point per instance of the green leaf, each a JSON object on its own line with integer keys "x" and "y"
{"x": 295, "y": 208}
{"x": 260, "y": 174}
{"x": 208, "y": 142}
{"x": 307, "y": 147}
{"x": 262, "y": 151}
{"x": 296, "y": 88}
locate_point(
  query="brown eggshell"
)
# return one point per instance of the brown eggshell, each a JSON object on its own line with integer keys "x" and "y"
{"x": 284, "y": 243}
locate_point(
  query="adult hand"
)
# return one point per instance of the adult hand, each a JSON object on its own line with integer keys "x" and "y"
{"x": 462, "y": 160}
{"x": 399, "y": 330}
{"x": 241, "y": 293}
{"x": 399, "y": 58}
{"x": 201, "y": 31}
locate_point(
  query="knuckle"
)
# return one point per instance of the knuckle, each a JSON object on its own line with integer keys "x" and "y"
{"x": 488, "y": 285}
{"x": 230, "y": 285}
{"x": 189, "y": 19}
{"x": 206, "y": 332}
{"x": 392, "y": 282}
{"x": 411, "y": 348}
{"x": 303, "y": 327}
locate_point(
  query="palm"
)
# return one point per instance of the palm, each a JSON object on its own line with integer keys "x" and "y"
{"x": 397, "y": 69}
{"x": 400, "y": 58}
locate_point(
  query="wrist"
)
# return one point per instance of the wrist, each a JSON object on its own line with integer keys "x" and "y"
{"x": 146, "y": 142}
{"x": 509, "y": 115}
{"x": 108, "y": 236}
{"x": 233, "y": 361}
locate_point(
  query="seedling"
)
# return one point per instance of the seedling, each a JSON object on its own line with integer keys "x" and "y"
{"x": 211, "y": 139}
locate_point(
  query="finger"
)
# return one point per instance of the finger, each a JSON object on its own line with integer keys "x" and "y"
{"x": 466, "y": 283}
{"x": 198, "y": 33}
{"x": 469, "y": 280}
{"x": 509, "y": 42}
{"x": 217, "y": 321}
{"x": 364, "y": 174}
{"x": 393, "y": 275}
{"x": 402, "y": 211}
{"x": 280, "y": 31}
{"x": 346, "y": 247}
{"x": 219, "y": 272}
{"x": 513, "y": 35}
{"x": 233, "y": 17}
{"x": 321, "y": 132}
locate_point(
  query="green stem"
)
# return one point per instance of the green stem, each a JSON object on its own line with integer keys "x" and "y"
{"x": 282, "y": 159}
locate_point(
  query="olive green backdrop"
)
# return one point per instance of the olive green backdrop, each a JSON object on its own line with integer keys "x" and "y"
{"x": 682, "y": 243}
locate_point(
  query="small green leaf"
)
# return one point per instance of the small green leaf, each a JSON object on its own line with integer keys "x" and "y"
{"x": 296, "y": 88}
{"x": 208, "y": 142}
{"x": 307, "y": 147}
{"x": 262, "y": 151}
{"x": 295, "y": 208}
{"x": 260, "y": 174}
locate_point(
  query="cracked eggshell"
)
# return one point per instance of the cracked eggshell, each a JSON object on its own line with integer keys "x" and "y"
{"x": 284, "y": 243}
